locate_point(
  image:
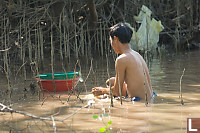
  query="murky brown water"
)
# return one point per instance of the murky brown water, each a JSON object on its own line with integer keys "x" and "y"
{"x": 164, "y": 115}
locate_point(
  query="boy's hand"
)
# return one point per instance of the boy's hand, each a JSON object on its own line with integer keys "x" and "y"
{"x": 96, "y": 91}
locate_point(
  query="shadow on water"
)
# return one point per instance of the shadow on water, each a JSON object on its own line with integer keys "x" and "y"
{"x": 165, "y": 114}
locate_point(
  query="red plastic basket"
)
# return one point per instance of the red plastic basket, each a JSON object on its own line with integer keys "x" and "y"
{"x": 60, "y": 85}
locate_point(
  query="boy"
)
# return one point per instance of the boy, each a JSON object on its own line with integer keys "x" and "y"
{"x": 132, "y": 74}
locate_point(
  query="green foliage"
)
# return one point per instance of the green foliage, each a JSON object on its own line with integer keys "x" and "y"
{"x": 108, "y": 131}
{"x": 110, "y": 122}
{"x": 106, "y": 114}
{"x": 103, "y": 129}
{"x": 95, "y": 116}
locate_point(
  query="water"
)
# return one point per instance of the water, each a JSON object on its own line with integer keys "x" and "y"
{"x": 165, "y": 115}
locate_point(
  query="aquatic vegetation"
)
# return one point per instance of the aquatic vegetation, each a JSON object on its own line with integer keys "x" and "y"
{"x": 103, "y": 129}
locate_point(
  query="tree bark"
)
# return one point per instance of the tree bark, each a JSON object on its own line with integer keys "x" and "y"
{"x": 56, "y": 10}
{"x": 93, "y": 13}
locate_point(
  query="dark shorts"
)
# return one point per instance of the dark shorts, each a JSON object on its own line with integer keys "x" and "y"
{"x": 138, "y": 98}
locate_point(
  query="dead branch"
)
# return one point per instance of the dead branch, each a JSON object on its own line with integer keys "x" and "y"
{"x": 102, "y": 3}
{"x": 15, "y": 44}
{"x": 53, "y": 96}
{"x": 4, "y": 50}
{"x": 111, "y": 96}
{"x": 54, "y": 124}
{"x": 44, "y": 99}
{"x": 86, "y": 106}
{"x": 181, "y": 96}
{"x": 8, "y": 109}
{"x": 20, "y": 68}
{"x": 5, "y": 108}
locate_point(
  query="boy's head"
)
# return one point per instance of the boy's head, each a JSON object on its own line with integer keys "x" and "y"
{"x": 122, "y": 32}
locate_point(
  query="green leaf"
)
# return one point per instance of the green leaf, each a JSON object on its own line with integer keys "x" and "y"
{"x": 110, "y": 122}
{"x": 105, "y": 115}
{"x": 106, "y": 126}
{"x": 95, "y": 116}
{"x": 108, "y": 131}
{"x": 101, "y": 130}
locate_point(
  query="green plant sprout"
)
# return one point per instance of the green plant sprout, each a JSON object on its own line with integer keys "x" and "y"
{"x": 103, "y": 129}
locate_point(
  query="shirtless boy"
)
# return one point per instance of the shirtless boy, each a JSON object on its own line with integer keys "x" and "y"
{"x": 132, "y": 74}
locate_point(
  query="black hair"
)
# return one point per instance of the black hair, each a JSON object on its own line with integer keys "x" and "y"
{"x": 122, "y": 31}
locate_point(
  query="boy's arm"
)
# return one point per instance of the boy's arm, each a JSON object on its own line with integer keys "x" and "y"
{"x": 96, "y": 91}
{"x": 120, "y": 68}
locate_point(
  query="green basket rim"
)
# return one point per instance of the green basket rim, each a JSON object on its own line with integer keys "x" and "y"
{"x": 49, "y": 75}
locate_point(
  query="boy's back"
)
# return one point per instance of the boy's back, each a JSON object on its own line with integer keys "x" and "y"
{"x": 136, "y": 74}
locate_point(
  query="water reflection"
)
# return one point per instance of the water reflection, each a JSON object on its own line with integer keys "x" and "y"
{"x": 165, "y": 114}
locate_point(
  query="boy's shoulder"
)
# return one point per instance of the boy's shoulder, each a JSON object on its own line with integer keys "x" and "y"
{"x": 124, "y": 58}
{"x": 121, "y": 58}
{"x": 128, "y": 58}
{"x": 130, "y": 55}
